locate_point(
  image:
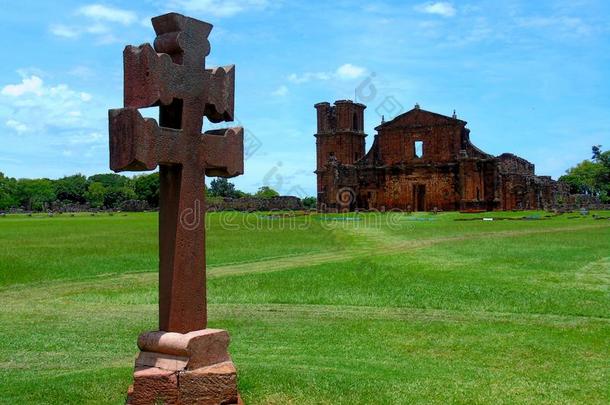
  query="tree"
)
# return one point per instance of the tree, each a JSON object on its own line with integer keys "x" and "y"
{"x": 72, "y": 188}
{"x": 115, "y": 196}
{"x": 119, "y": 188}
{"x": 591, "y": 177}
{"x": 147, "y": 188}
{"x": 266, "y": 192}
{"x": 309, "y": 202}
{"x": 581, "y": 177}
{"x": 602, "y": 175}
{"x": 222, "y": 187}
{"x": 35, "y": 194}
{"x": 242, "y": 194}
{"x": 111, "y": 180}
{"x": 8, "y": 197}
{"x": 96, "y": 194}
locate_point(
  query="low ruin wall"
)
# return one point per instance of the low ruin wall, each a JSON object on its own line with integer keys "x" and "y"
{"x": 285, "y": 203}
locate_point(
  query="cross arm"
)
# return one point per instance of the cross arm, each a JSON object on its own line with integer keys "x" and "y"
{"x": 138, "y": 144}
{"x": 150, "y": 77}
{"x": 223, "y": 152}
{"x": 220, "y": 101}
{"x": 132, "y": 140}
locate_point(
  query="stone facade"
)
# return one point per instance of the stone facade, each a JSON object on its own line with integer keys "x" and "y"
{"x": 419, "y": 161}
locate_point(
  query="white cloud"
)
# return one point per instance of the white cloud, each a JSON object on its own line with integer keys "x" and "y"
{"x": 34, "y": 107}
{"x": 349, "y": 71}
{"x": 442, "y": 8}
{"x": 97, "y": 20}
{"x": 32, "y": 84}
{"x": 17, "y": 126}
{"x": 219, "y": 8}
{"x": 280, "y": 91}
{"x": 106, "y": 13}
{"x": 98, "y": 28}
{"x": 308, "y": 76}
{"x": 54, "y": 120}
{"x": 346, "y": 71}
{"x": 61, "y": 30}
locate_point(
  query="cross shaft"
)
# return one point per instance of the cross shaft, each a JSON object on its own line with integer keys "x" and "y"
{"x": 173, "y": 77}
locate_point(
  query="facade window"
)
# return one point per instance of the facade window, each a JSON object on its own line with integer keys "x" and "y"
{"x": 418, "y": 149}
{"x": 355, "y": 156}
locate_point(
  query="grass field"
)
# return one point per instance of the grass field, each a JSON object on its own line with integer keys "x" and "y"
{"x": 377, "y": 309}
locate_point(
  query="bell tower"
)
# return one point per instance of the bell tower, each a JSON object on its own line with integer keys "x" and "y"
{"x": 339, "y": 141}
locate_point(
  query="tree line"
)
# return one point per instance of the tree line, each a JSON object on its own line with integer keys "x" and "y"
{"x": 108, "y": 190}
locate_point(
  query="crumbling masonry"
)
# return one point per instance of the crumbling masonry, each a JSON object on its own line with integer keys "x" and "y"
{"x": 419, "y": 161}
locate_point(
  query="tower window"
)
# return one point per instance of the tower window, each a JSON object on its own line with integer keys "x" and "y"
{"x": 355, "y": 125}
{"x": 418, "y": 149}
{"x": 355, "y": 156}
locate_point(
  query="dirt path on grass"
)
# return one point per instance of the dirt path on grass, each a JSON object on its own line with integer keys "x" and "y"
{"x": 377, "y": 247}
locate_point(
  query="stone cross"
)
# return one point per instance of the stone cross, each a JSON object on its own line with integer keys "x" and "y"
{"x": 172, "y": 76}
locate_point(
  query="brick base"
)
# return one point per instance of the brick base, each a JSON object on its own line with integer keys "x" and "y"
{"x": 178, "y": 370}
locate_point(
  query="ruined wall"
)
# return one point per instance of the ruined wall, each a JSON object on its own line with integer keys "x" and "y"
{"x": 441, "y": 138}
{"x": 513, "y": 164}
{"x": 419, "y": 188}
{"x": 448, "y": 173}
{"x": 281, "y": 203}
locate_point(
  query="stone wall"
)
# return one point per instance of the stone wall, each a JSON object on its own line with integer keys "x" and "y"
{"x": 134, "y": 206}
{"x": 513, "y": 164}
{"x": 283, "y": 203}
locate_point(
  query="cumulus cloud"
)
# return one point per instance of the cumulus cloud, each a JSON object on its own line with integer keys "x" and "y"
{"x": 349, "y": 71}
{"x": 106, "y": 13}
{"x": 32, "y": 84}
{"x": 31, "y": 106}
{"x": 442, "y": 8}
{"x": 219, "y": 8}
{"x": 52, "y": 119}
{"x": 346, "y": 71}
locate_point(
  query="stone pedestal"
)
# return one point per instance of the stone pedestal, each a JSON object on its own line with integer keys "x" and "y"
{"x": 190, "y": 368}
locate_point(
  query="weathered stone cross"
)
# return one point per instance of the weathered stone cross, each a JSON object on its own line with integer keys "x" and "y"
{"x": 173, "y": 77}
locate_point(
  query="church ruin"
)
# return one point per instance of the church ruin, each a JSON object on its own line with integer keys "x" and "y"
{"x": 419, "y": 161}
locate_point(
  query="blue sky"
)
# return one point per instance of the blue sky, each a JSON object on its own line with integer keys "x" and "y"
{"x": 530, "y": 77}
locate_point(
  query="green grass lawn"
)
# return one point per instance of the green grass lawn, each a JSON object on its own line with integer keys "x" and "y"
{"x": 378, "y": 309}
